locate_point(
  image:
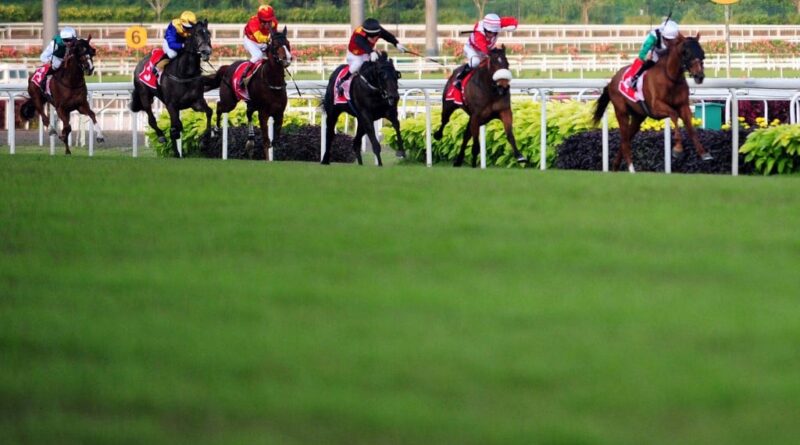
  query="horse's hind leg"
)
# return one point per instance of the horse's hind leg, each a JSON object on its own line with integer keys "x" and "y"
{"x": 447, "y": 110}
{"x": 475, "y": 131}
{"x": 330, "y": 133}
{"x": 87, "y": 110}
{"x": 625, "y": 140}
{"x": 202, "y": 105}
{"x": 508, "y": 125}
{"x": 266, "y": 144}
{"x": 147, "y": 106}
{"x": 251, "y": 134}
{"x": 175, "y": 129}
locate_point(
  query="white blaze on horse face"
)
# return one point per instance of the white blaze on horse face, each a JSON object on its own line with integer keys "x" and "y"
{"x": 502, "y": 74}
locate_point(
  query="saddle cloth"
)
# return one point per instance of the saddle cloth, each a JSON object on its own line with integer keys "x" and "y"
{"x": 455, "y": 94}
{"x": 146, "y": 76}
{"x": 241, "y": 92}
{"x": 345, "y": 96}
{"x": 635, "y": 92}
{"x": 39, "y": 75}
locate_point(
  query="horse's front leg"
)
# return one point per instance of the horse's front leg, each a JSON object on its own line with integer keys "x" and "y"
{"x": 465, "y": 138}
{"x": 251, "y": 133}
{"x": 508, "y": 124}
{"x": 447, "y": 110}
{"x": 360, "y": 132}
{"x": 66, "y": 128}
{"x": 663, "y": 109}
{"x": 266, "y": 144}
{"x": 475, "y": 131}
{"x": 175, "y": 129}
{"x": 369, "y": 126}
{"x": 686, "y": 117}
{"x": 400, "y": 153}
{"x": 277, "y": 124}
{"x": 85, "y": 109}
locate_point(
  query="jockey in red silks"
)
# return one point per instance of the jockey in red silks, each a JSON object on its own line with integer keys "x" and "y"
{"x": 482, "y": 40}
{"x": 654, "y": 45}
{"x": 256, "y": 36}
{"x": 362, "y": 46}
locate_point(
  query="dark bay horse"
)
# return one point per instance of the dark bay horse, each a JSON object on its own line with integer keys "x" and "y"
{"x": 181, "y": 85}
{"x": 486, "y": 97}
{"x": 666, "y": 94}
{"x": 68, "y": 91}
{"x": 266, "y": 88}
{"x": 373, "y": 95}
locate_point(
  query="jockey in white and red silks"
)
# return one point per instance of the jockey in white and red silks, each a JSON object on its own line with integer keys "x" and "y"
{"x": 482, "y": 40}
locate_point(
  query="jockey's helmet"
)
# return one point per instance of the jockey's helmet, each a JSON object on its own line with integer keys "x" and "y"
{"x": 188, "y": 19}
{"x": 670, "y": 30}
{"x": 491, "y": 23}
{"x": 266, "y": 13}
{"x": 372, "y": 27}
{"x": 67, "y": 33}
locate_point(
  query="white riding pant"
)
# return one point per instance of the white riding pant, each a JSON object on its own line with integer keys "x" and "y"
{"x": 171, "y": 53}
{"x": 474, "y": 57}
{"x": 355, "y": 61}
{"x": 256, "y": 50}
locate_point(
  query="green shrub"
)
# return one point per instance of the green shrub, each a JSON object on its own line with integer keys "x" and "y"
{"x": 773, "y": 149}
{"x": 19, "y": 13}
{"x": 564, "y": 118}
{"x": 194, "y": 126}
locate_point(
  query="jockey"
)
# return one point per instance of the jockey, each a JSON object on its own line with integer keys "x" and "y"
{"x": 482, "y": 40}
{"x": 54, "y": 52}
{"x": 256, "y": 36}
{"x": 175, "y": 36}
{"x": 362, "y": 47}
{"x": 654, "y": 44}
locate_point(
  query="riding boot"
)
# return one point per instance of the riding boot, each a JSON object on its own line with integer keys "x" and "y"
{"x": 461, "y": 75}
{"x": 160, "y": 65}
{"x": 340, "y": 85}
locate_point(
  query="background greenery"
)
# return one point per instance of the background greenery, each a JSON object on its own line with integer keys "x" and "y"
{"x": 200, "y": 301}
{"x": 412, "y": 11}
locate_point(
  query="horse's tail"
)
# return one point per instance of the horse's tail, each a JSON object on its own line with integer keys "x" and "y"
{"x": 27, "y": 110}
{"x": 601, "y": 105}
{"x": 213, "y": 81}
{"x": 136, "y": 101}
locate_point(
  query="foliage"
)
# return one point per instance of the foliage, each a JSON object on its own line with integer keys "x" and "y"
{"x": 564, "y": 118}
{"x": 194, "y": 127}
{"x": 774, "y": 149}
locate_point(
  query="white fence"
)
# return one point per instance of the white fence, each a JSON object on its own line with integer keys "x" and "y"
{"x": 542, "y": 37}
{"x": 429, "y": 93}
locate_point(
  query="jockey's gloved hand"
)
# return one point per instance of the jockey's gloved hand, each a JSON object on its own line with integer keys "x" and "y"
{"x": 400, "y": 47}
{"x": 263, "y": 46}
{"x": 373, "y": 56}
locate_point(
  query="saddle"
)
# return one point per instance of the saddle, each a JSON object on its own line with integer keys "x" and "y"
{"x": 456, "y": 95}
{"x": 239, "y": 87}
{"x": 149, "y": 75}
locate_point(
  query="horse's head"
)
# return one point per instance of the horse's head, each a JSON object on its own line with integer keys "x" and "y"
{"x": 83, "y": 52}
{"x": 692, "y": 56}
{"x": 381, "y": 75}
{"x": 497, "y": 64}
{"x": 279, "y": 49}
{"x": 200, "y": 40}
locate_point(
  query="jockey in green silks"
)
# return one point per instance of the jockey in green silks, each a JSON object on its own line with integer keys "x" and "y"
{"x": 654, "y": 45}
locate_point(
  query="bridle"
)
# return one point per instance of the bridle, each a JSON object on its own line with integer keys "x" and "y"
{"x": 379, "y": 67}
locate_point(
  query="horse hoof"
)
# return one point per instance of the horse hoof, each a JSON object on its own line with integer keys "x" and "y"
{"x": 400, "y": 154}
{"x": 52, "y": 132}
{"x": 162, "y": 140}
{"x": 437, "y": 136}
{"x": 631, "y": 169}
{"x": 100, "y": 140}
{"x": 522, "y": 160}
{"x": 707, "y": 157}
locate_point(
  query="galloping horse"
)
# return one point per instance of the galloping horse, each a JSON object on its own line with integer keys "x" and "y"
{"x": 486, "y": 97}
{"x": 666, "y": 94}
{"x": 266, "y": 89}
{"x": 67, "y": 91}
{"x": 181, "y": 85}
{"x": 373, "y": 95}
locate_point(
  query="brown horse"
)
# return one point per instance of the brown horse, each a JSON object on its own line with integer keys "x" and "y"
{"x": 666, "y": 94}
{"x": 486, "y": 97}
{"x": 266, "y": 88}
{"x": 68, "y": 91}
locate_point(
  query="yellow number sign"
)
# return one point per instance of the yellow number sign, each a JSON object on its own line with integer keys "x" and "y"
{"x": 136, "y": 37}
{"x": 725, "y": 2}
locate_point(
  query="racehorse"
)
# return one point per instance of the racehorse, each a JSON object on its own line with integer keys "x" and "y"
{"x": 666, "y": 94}
{"x": 181, "y": 85}
{"x": 373, "y": 95}
{"x": 266, "y": 89}
{"x": 485, "y": 97}
{"x": 67, "y": 91}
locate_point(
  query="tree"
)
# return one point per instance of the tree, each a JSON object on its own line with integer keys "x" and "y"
{"x": 586, "y": 6}
{"x": 158, "y": 6}
{"x": 481, "y": 6}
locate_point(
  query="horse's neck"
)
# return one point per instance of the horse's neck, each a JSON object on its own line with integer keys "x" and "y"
{"x": 71, "y": 75}
{"x": 271, "y": 71}
{"x": 187, "y": 64}
{"x": 673, "y": 65}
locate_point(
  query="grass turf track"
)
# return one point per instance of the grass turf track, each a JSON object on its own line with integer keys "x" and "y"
{"x": 197, "y": 301}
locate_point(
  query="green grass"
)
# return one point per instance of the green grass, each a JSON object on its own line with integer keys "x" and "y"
{"x": 199, "y": 301}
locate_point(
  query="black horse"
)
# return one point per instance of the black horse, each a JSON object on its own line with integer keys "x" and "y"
{"x": 181, "y": 86}
{"x": 373, "y": 96}
{"x": 486, "y": 97}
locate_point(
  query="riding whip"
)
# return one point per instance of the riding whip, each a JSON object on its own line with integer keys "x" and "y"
{"x": 426, "y": 58}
